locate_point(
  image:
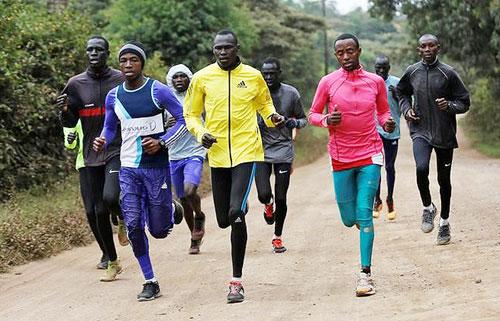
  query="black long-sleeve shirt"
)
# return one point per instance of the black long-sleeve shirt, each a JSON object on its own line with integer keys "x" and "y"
{"x": 86, "y": 96}
{"x": 426, "y": 83}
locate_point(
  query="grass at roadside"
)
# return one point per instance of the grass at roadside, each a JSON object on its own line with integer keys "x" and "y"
{"x": 40, "y": 223}
{"x": 485, "y": 143}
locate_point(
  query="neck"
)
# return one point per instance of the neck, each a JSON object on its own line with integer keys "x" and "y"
{"x": 275, "y": 87}
{"x": 232, "y": 66}
{"x": 135, "y": 83}
{"x": 98, "y": 70}
{"x": 430, "y": 63}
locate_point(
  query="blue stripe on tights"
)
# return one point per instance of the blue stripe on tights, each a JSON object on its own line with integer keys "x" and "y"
{"x": 252, "y": 176}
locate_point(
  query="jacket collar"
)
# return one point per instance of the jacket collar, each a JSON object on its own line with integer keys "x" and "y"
{"x": 235, "y": 68}
{"x": 354, "y": 73}
{"x": 432, "y": 64}
{"x": 92, "y": 74}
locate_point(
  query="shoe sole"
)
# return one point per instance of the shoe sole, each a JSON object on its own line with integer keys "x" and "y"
{"x": 443, "y": 242}
{"x": 279, "y": 250}
{"x": 235, "y": 300}
{"x": 362, "y": 294}
{"x": 149, "y": 299}
{"x": 391, "y": 216}
{"x": 427, "y": 231}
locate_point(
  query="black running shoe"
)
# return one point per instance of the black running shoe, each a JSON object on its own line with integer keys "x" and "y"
{"x": 178, "y": 213}
{"x": 444, "y": 235}
{"x": 150, "y": 291}
{"x": 236, "y": 293}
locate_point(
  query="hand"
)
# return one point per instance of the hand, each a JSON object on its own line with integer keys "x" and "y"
{"x": 442, "y": 103}
{"x": 278, "y": 120}
{"x": 171, "y": 122}
{"x": 98, "y": 144}
{"x": 150, "y": 145}
{"x": 207, "y": 140}
{"x": 393, "y": 92}
{"x": 291, "y": 123}
{"x": 389, "y": 125}
{"x": 71, "y": 138}
{"x": 411, "y": 115}
{"x": 62, "y": 102}
{"x": 334, "y": 118}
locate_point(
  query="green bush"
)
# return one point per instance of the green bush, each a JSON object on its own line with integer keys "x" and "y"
{"x": 40, "y": 51}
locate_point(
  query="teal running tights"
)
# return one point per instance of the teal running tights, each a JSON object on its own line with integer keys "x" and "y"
{"x": 355, "y": 189}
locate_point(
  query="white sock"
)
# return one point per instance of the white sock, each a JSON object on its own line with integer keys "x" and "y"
{"x": 234, "y": 279}
{"x": 151, "y": 280}
{"x": 443, "y": 222}
{"x": 271, "y": 201}
{"x": 429, "y": 208}
{"x": 276, "y": 237}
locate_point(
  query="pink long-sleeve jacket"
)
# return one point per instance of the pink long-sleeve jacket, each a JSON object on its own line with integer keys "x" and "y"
{"x": 362, "y": 99}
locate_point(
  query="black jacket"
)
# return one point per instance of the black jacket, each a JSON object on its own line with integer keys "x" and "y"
{"x": 426, "y": 83}
{"x": 86, "y": 98}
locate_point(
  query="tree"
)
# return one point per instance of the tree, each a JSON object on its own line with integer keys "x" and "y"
{"x": 182, "y": 31}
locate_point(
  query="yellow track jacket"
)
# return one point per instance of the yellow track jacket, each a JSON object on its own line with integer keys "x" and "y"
{"x": 230, "y": 100}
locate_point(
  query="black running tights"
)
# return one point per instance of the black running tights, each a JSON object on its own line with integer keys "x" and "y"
{"x": 281, "y": 183}
{"x": 422, "y": 153}
{"x": 230, "y": 189}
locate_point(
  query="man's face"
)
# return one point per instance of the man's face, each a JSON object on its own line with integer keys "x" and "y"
{"x": 271, "y": 75}
{"x": 180, "y": 81}
{"x": 347, "y": 53}
{"x": 130, "y": 66}
{"x": 382, "y": 68}
{"x": 97, "y": 54}
{"x": 428, "y": 49}
{"x": 225, "y": 50}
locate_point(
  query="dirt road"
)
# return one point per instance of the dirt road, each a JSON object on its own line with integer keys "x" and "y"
{"x": 313, "y": 280}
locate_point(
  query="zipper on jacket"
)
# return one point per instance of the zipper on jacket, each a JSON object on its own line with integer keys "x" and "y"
{"x": 229, "y": 116}
{"x": 429, "y": 104}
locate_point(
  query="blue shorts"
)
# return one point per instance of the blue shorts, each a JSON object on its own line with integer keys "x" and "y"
{"x": 186, "y": 170}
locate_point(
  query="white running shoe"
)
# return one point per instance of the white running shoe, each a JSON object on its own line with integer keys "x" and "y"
{"x": 365, "y": 285}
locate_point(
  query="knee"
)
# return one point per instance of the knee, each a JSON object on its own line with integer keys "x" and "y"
{"x": 223, "y": 224}
{"x": 161, "y": 233}
{"x": 389, "y": 168}
{"x": 265, "y": 197}
{"x": 136, "y": 237}
{"x": 189, "y": 192}
{"x": 348, "y": 222}
{"x": 422, "y": 169}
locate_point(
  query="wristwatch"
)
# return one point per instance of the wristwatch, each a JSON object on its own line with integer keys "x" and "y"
{"x": 162, "y": 144}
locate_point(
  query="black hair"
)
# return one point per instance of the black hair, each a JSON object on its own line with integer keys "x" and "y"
{"x": 224, "y": 32}
{"x": 347, "y": 36}
{"x": 272, "y": 60}
{"x": 429, "y": 35}
{"x": 106, "y": 43}
{"x": 382, "y": 57}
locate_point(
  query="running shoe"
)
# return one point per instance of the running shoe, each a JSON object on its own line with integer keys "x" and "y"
{"x": 195, "y": 247}
{"x": 114, "y": 268}
{"x": 278, "y": 246}
{"x": 269, "y": 213}
{"x": 122, "y": 233}
{"x": 391, "y": 212}
{"x": 150, "y": 291}
{"x": 103, "y": 263}
{"x": 428, "y": 219}
{"x": 236, "y": 292}
{"x": 444, "y": 235}
{"x": 178, "y": 212}
{"x": 377, "y": 208}
{"x": 365, "y": 285}
{"x": 199, "y": 228}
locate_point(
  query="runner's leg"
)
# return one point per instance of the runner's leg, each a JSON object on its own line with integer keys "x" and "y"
{"x": 262, "y": 182}
{"x": 345, "y": 193}
{"x": 422, "y": 154}
{"x": 391, "y": 151}
{"x": 281, "y": 184}
{"x": 366, "y": 182}
{"x": 97, "y": 180}
{"x": 86, "y": 192}
{"x": 444, "y": 159}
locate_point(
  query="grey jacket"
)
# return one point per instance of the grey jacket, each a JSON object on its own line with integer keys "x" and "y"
{"x": 426, "y": 83}
{"x": 278, "y": 145}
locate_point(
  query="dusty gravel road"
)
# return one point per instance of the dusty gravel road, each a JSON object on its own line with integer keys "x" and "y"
{"x": 313, "y": 280}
